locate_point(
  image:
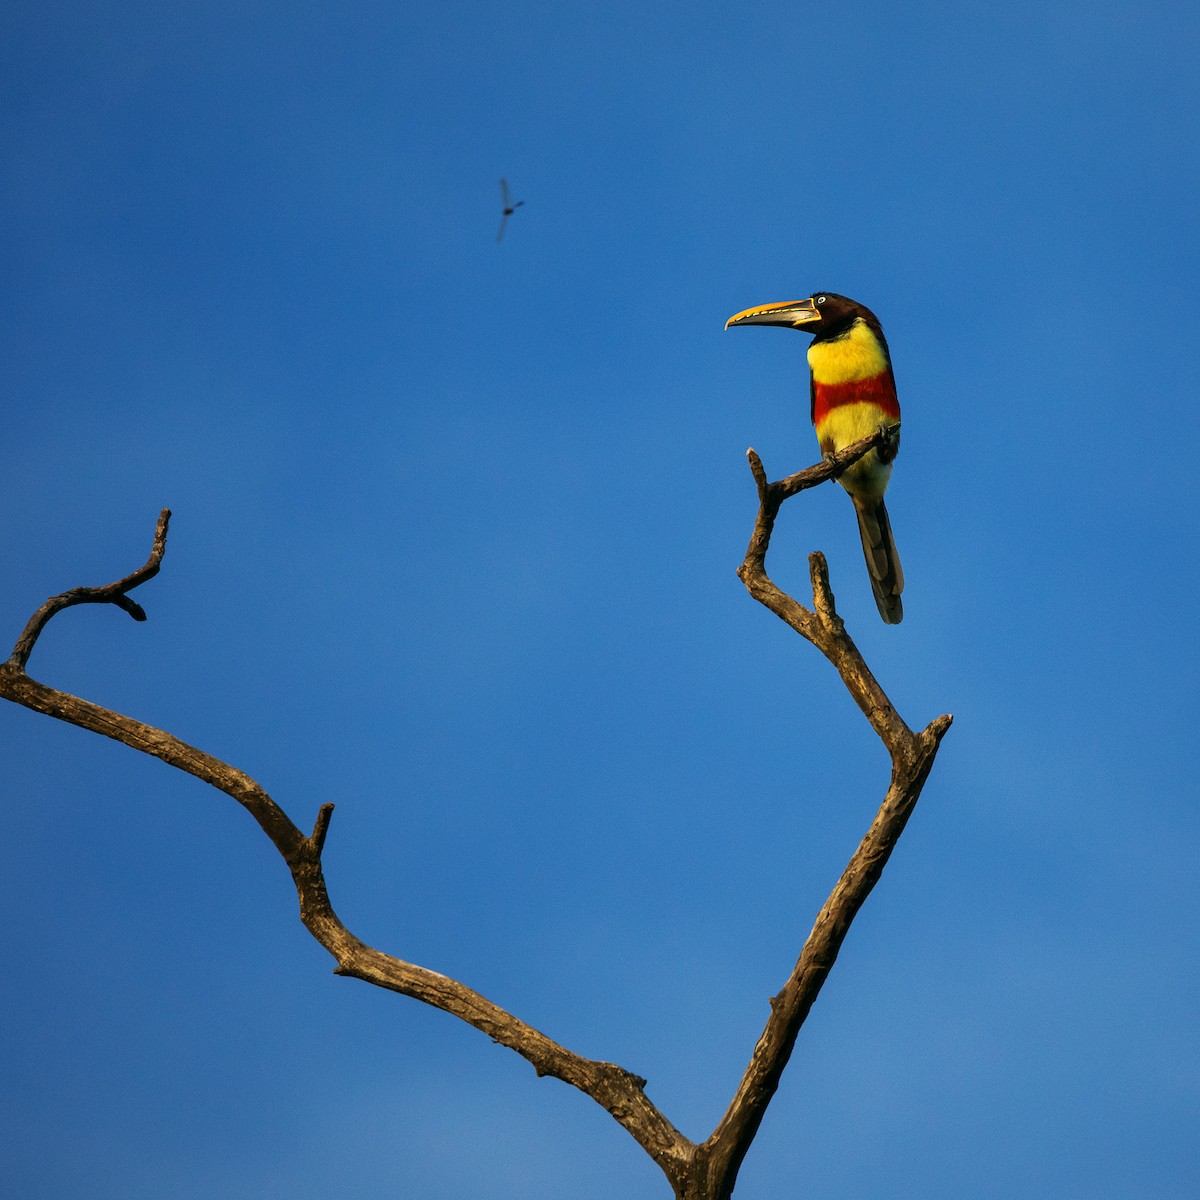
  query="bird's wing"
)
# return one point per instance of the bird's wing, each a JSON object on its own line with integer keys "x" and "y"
{"x": 504, "y": 196}
{"x": 503, "y": 222}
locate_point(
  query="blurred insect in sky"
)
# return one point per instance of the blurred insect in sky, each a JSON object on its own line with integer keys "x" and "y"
{"x": 509, "y": 207}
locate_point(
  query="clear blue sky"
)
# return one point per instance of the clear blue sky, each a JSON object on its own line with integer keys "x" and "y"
{"x": 454, "y": 547}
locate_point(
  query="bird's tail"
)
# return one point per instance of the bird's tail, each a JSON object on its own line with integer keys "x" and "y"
{"x": 883, "y": 561}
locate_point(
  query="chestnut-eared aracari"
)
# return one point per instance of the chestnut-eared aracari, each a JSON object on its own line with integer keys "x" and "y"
{"x": 852, "y": 393}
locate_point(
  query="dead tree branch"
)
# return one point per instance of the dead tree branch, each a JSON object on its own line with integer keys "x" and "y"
{"x": 618, "y": 1091}
{"x": 696, "y": 1172}
{"x": 912, "y": 756}
{"x": 112, "y": 593}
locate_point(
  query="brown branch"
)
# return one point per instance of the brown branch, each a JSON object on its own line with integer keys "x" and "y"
{"x": 618, "y": 1091}
{"x": 695, "y": 1172}
{"x": 718, "y": 1160}
{"x": 112, "y": 593}
{"x": 823, "y": 627}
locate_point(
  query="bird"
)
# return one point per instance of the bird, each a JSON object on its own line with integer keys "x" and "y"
{"x": 508, "y": 206}
{"x": 852, "y": 393}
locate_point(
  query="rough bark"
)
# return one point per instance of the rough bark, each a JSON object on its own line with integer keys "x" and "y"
{"x": 704, "y": 1171}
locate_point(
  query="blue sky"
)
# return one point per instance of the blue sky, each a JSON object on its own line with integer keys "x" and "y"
{"x": 455, "y": 533}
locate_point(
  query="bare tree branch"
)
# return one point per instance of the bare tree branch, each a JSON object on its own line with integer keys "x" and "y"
{"x": 823, "y": 627}
{"x": 912, "y": 754}
{"x": 696, "y": 1172}
{"x": 112, "y": 593}
{"x": 618, "y": 1091}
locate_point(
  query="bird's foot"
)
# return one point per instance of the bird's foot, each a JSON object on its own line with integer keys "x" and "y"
{"x": 890, "y": 446}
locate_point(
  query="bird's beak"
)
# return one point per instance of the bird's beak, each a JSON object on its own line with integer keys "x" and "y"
{"x": 792, "y": 313}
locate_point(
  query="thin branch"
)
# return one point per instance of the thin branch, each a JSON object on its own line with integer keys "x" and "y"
{"x": 832, "y": 640}
{"x": 320, "y": 829}
{"x": 831, "y": 466}
{"x": 112, "y": 593}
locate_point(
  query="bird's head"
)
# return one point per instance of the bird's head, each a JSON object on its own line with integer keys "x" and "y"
{"x": 823, "y": 314}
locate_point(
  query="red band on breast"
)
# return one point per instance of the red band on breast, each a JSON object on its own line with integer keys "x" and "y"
{"x": 878, "y": 390}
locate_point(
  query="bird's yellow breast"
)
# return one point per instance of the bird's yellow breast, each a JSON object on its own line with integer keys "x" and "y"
{"x": 849, "y": 423}
{"x": 868, "y": 477}
{"x": 858, "y": 355}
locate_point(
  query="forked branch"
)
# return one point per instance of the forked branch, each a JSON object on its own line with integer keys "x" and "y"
{"x": 617, "y": 1090}
{"x": 696, "y": 1172}
{"x": 912, "y": 756}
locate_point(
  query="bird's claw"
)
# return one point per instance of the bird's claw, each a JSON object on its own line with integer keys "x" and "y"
{"x": 890, "y": 446}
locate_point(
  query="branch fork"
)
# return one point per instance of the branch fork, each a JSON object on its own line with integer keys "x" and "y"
{"x": 695, "y": 1171}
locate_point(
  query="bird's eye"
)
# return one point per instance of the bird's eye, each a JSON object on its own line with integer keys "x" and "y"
{"x": 821, "y": 299}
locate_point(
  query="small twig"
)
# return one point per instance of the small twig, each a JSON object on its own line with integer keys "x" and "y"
{"x": 835, "y": 464}
{"x": 759, "y": 472}
{"x": 112, "y": 593}
{"x": 823, "y": 601}
{"x": 321, "y": 828}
